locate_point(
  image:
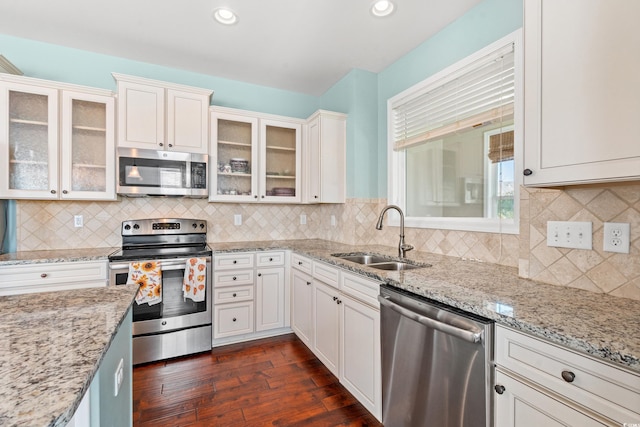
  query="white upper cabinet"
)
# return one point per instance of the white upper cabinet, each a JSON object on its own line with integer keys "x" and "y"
{"x": 56, "y": 140}
{"x": 255, "y": 157}
{"x": 325, "y": 158}
{"x": 162, "y": 116}
{"x": 581, "y": 90}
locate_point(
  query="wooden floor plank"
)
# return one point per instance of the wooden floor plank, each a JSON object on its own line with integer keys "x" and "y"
{"x": 270, "y": 382}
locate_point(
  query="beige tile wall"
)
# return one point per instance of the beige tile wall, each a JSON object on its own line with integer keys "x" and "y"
{"x": 49, "y": 225}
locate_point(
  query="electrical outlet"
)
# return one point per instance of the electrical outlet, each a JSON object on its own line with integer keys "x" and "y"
{"x": 616, "y": 237}
{"x": 78, "y": 221}
{"x": 303, "y": 219}
{"x": 237, "y": 219}
{"x": 569, "y": 234}
{"x": 118, "y": 376}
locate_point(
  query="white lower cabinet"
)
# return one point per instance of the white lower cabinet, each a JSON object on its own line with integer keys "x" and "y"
{"x": 360, "y": 359}
{"x": 340, "y": 322}
{"x": 270, "y": 301}
{"x": 250, "y": 296}
{"x": 540, "y": 383}
{"x": 326, "y": 322}
{"x": 55, "y": 276}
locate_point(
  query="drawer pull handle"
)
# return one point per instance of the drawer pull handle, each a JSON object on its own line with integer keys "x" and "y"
{"x": 43, "y": 275}
{"x": 234, "y": 295}
{"x": 234, "y": 319}
{"x": 499, "y": 388}
{"x": 234, "y": 277}
{"x": 568, "y": 376}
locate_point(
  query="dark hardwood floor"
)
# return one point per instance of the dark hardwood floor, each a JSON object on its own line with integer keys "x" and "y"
{"x": 270, "y": 382}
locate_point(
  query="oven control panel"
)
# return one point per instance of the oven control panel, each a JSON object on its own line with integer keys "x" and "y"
{"x": 159, "y": 226}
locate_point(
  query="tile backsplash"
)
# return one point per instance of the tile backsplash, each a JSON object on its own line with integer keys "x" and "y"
{"x": 49, "y": 225}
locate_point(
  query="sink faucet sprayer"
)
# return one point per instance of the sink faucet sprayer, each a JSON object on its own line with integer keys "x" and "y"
{"x": 402, "y": 247}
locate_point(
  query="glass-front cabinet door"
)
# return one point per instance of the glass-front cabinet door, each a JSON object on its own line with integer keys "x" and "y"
{"x": 28, "y": 141}
{"x": 88, "y": 146}
{"x": 280, "y": 162}
{"x": 234, "y": 158}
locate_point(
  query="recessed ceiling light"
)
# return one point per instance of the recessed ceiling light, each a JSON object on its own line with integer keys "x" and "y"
{"x": 225, "y": 16}
{"x": 382, "y": 8}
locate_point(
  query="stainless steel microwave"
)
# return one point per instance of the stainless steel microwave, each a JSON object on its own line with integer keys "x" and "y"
{"x": 161, "y": 173}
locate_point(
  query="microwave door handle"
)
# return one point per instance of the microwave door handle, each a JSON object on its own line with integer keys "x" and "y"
{"x": 187, "y": 173}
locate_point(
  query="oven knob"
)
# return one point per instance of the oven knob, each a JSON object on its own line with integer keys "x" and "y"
{"x": 201, "y": 225}
{"x": 136, "y": 226}
{"x": 194, "y": 225}
{"x": 127, "y": 227}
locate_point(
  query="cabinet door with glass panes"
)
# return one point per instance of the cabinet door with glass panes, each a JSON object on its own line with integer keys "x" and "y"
{"x": 28, "y": 141}
{"x": 87, "y": 153}
{"x": 280, "y": 161}
{"x": 234, "y": 158}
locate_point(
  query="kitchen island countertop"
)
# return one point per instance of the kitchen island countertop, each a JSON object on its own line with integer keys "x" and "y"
{"x": 51, "y": 346}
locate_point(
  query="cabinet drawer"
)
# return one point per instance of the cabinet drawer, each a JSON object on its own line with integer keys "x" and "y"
{"x": 360, "y": 288}
{"x": 232, "y": 319}
{"x": 231, "y": 261}
{"x": 268, "y": 259}
{"x": 233, "y": 294}
{"x": 233, "y": 278}
{"x": 599, "y": 386}
{"x": 301, "y": 263}
{"x": 29, "y": 278}
{"x": 326, "y": 273}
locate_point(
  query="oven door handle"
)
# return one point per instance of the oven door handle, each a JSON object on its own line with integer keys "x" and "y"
{"x": 466, "y": 335}
{"x": 172, "y": 264}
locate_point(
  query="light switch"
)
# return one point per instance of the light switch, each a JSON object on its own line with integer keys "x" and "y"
{"x": 237, "y": 219}
{"x": 569, "y": 234}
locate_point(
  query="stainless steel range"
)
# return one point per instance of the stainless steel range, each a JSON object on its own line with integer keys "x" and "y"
{"x": 156, "y": 252}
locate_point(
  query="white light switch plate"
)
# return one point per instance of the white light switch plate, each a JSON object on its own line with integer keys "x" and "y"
{"x": 569, "y": 234}
{"x": 237, "y": 219}
{"x": 118, "y": 376}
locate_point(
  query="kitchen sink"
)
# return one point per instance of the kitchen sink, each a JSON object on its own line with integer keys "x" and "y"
{"x": 381, "y": 262}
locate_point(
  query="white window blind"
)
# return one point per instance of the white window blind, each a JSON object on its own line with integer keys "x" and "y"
{"x": 479, "y": 93}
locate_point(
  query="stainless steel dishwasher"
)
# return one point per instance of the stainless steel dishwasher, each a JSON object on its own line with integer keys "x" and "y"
{"x": 436, "y": 363}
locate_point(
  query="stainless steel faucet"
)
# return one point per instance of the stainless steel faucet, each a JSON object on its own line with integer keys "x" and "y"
{"x": 402, "y": 247}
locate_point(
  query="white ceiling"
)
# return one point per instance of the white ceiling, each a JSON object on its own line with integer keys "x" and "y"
{"x": 299, "y": 45}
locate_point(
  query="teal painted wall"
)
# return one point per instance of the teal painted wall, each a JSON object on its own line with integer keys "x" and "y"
{"x": 482, "y": 25}
{"x": 52, "y": 62}
{"x": 356, "y": 95}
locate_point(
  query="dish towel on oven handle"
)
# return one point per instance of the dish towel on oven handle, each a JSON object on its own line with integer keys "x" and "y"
{"x": 147, "y": 274}
{"x": 195, "y": 279}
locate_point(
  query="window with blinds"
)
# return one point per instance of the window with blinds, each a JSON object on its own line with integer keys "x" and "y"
{"x": 453, "y": 143}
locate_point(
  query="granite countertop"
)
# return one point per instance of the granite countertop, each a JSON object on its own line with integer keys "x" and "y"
{"x": 62, "y": 255}
{"x": 597, "y": 324}
{"x": 51, "y": 345}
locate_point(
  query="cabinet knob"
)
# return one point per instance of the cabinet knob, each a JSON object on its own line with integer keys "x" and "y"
{"x": 65, "y": 192}
{"x": 234, "y": 319}
{"x": 234, "y": 295}
{"x": 499, "y": 388}
{"x": 43, "y": 275}
{"x": 53, "y": 191}
{"x": 527, "y": 172}
{"x": 255, "y": 197}
{"x": 270, "y": 259}
{"x": 263, "y": 196}
{"x": 315, "y": 197}
{"x": 161, "y": 144}
{"x": 234, "y": 277}
{"x": 259, "y": 274}
{"x": 235, "y": 262}
{"x": 335, "y": 298}
{"x": 308, "y": 283}
{"x": 170, "y": 145}
{"x": 339, "y": 301}
{"x": 164, "y": 322}
{"x": 568, "y": 376}
{"x": 299, "y": 262}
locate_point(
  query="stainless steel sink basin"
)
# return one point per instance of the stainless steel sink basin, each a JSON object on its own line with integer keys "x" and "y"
{"x": 395, "y": 266}
{"x": 381, "y": 262}
{"x": 364, "y": 259}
